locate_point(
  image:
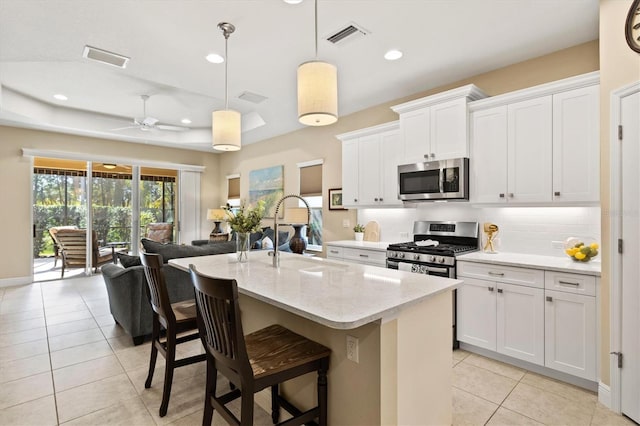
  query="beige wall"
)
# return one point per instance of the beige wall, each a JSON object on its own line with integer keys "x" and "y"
{"x": 619, "y": 66}
{"x": 319, "y": 142}
{"x": 15, "y": 179}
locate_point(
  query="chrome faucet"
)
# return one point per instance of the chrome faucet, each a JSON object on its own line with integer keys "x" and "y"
{"x": 275, "y": 253}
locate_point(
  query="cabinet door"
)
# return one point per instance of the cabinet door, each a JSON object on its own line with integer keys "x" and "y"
{"x": 391, "y": 157}
{"x": 576, "y": 145}
{"x": 448, "y": 129}
{"x": 489, "y": 155}
{"x": 414, "y": 129}
{"x": 369, "y": 179}
{"x": 350, "y": 173}
{"x": 476, "y": 313}
{"x": 520, "y": 322}
{"x": 570, "y": 330}
{"x": 529, "y": 150}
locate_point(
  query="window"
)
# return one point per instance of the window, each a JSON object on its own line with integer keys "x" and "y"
{"x": 233, "y": 190}
{"x": 311, "y": 191}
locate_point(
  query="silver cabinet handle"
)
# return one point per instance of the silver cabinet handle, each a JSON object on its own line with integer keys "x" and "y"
{"x": 501, "y": 195}
{"x": 557, "y": 193}
{"x": 380, "y": 199}
{"x": 490, "y": 288}
{"x": 499, "y": 290}
{"x": 569, "y": 283}
{"x": 355, "y": 200}
{"x": 375, "y": 199}
{"x": 426, "y": 156}
{"x": 364, "y": 255}
{"x": 496, "y": 274}
{"x": 549, "y": 299}
{"x": 433, "y": 155}
{"x": 334, "y": 251}
{"x": 511, "y": 195}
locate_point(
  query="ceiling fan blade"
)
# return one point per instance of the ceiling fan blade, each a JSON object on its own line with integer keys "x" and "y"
{"x": 124, "y": 128}
{"x": 171, "y": 128}
{"x": 149, "y": 121}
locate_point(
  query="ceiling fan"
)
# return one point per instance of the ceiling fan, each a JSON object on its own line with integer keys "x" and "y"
{"x": 149, "y": 123}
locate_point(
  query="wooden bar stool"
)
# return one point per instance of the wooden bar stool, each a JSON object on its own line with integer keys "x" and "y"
{"x": 175, "y": 318}
{"x": 262, "y": 359}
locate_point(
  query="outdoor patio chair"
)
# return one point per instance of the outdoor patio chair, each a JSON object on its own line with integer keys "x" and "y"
{"x": 56, "y": 245}
{"x": 73, "y": 246}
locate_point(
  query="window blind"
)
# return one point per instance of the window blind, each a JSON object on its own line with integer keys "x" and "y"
{"x": 311, "y": 181}
{"x": 233, "y": 189}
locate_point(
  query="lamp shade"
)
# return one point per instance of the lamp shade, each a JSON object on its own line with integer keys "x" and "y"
{"x": 296, "y": 216}
{"x": 317, "y": 93}
{"x": 227, "y": 129}
{"x": 215, "y": 214}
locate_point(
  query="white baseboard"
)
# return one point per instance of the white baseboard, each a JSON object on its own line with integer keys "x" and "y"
{"x": 10, "y": 282}
{"x": 604, "y": 395}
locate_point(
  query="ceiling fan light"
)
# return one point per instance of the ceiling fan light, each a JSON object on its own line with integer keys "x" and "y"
{"x": 227, "y": 129}
{"x": 317, "y": 93}
{"x": 109, "y": 166}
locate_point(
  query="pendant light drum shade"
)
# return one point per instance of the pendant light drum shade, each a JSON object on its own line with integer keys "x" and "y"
{"x": 227, "y": 129}
{"x": 317, "y": 93}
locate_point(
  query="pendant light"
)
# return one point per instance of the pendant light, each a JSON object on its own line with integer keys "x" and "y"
{"x": 317, "y": 89}
{"x": 226, "y": 124}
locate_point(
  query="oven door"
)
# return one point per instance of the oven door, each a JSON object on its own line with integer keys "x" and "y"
{"x": 419, "y": 268}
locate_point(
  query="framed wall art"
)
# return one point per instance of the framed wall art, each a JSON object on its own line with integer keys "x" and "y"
{"x": 268, "y": 185}
{"x": 335, "y": 199}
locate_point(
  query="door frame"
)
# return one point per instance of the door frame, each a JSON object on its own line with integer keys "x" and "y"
{"x": 615, "y": 221}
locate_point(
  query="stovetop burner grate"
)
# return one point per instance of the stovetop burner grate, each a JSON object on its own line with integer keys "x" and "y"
{"x": 439, "y": 249}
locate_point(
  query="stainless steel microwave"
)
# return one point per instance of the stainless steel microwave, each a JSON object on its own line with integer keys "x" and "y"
{"x": 434, "y": 180}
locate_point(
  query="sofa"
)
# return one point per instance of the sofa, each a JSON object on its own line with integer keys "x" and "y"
{"x": 127, "y": 286}
{"x": 260, "y": 240}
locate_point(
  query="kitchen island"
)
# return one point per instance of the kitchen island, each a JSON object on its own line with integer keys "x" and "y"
{"x": 402, "y": 371}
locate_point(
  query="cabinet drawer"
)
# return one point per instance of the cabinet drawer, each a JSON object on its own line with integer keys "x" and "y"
{"x": 504, "y": 274}
{"x": 365, "y": 256}
{"x": 570, "y": 283}
{"x": 335, "y": 252}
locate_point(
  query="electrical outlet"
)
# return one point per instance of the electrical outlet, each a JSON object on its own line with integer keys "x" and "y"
{"x": 404, "y": 235}
{"x": 352, "y": 348}
{"x": 345, "y": 223}
{"x": 557, "y": 244}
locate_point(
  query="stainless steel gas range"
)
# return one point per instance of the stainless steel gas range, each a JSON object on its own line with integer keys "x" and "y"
{"x": 433, "y": 251}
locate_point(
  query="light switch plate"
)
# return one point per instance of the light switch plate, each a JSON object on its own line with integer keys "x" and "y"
{"x": 345, "y": 223}
{"x": 557, "y": 244}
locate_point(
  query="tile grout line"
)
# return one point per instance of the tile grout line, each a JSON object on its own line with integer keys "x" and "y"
{"x": 53, "y": 382}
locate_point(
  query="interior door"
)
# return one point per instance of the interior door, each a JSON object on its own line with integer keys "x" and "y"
{"x": 630, "y": 231}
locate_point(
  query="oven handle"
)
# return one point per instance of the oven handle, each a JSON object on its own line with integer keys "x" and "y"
{"x": 436, "y": 270}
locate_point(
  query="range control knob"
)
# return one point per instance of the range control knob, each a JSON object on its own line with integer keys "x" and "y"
{"x": 440, "y": 259}
{"x": 432, "y": 259}
{"x": 416, "y": 256}
{"x": 392, "y": 254}
{"x": 400, "y": 255}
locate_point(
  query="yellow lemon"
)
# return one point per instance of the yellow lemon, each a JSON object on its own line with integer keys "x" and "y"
{"x": 595, "y": 246}
{"x": 579, "y": 255}
{"x": 569, "y": 251}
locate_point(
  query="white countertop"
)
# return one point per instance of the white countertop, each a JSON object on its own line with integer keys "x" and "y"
{"x": 549, "y": 263}
{"x": 367, "y": 245}
{"x": 336, "y": 294}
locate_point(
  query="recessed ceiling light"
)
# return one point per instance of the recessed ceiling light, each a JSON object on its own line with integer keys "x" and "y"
{"x": 214, "y": 58}
{"x": 293, "y": 1}
{"x": 185, "y": 121}
{"x": 60, "y": 97}
{"x": 392, "y": 55}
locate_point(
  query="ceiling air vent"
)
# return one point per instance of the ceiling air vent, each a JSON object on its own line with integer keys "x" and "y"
{"x": 252, "y": 97}
{"x": 348, "y": 33}
{"x": 105, "y": 57}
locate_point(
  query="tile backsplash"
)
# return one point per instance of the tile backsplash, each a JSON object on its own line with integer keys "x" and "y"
{"x": 529, "y": 230}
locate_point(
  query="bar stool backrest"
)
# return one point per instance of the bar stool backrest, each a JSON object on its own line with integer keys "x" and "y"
{"x": 157, "y": 286}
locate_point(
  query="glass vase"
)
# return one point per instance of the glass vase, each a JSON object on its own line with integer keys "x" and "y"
{"x": 242, "y": 246}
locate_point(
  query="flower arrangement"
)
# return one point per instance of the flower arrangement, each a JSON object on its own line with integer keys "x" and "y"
{"x": 246, "y": 219}
{"x": 358, "y": 228}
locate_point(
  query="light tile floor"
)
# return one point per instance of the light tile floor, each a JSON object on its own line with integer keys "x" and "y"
{"x": 488, "y": 392}
{"x": 63, "y": 360}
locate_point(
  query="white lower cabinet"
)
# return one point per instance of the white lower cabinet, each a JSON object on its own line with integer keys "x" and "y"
{"x": 546, "y": 318}
{"x": 570, "y": 331}
{"x": 501, "y": 317}
{"x": 365, "y": 256}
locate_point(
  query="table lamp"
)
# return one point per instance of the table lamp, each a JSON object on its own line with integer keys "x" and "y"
{"x": 217, "y": 216}
{"x": 297, "y": 217}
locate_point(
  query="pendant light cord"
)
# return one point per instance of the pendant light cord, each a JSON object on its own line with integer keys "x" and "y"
{"x": 316, "y": 26}
{"x": 226, "y": 71}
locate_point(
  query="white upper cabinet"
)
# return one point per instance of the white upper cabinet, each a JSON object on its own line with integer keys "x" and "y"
{"x": 435, "y": 127}
{"x": 576, "y": 145}
{"x": 370, "y": 159}
{"x": 529, "y": 150}
{"x": 545, "y": 137}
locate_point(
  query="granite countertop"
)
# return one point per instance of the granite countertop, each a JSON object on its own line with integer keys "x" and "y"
{"x": 549, "y": 263}
{"x": 367, "y": 245}
{"x": 333, "y": 293}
